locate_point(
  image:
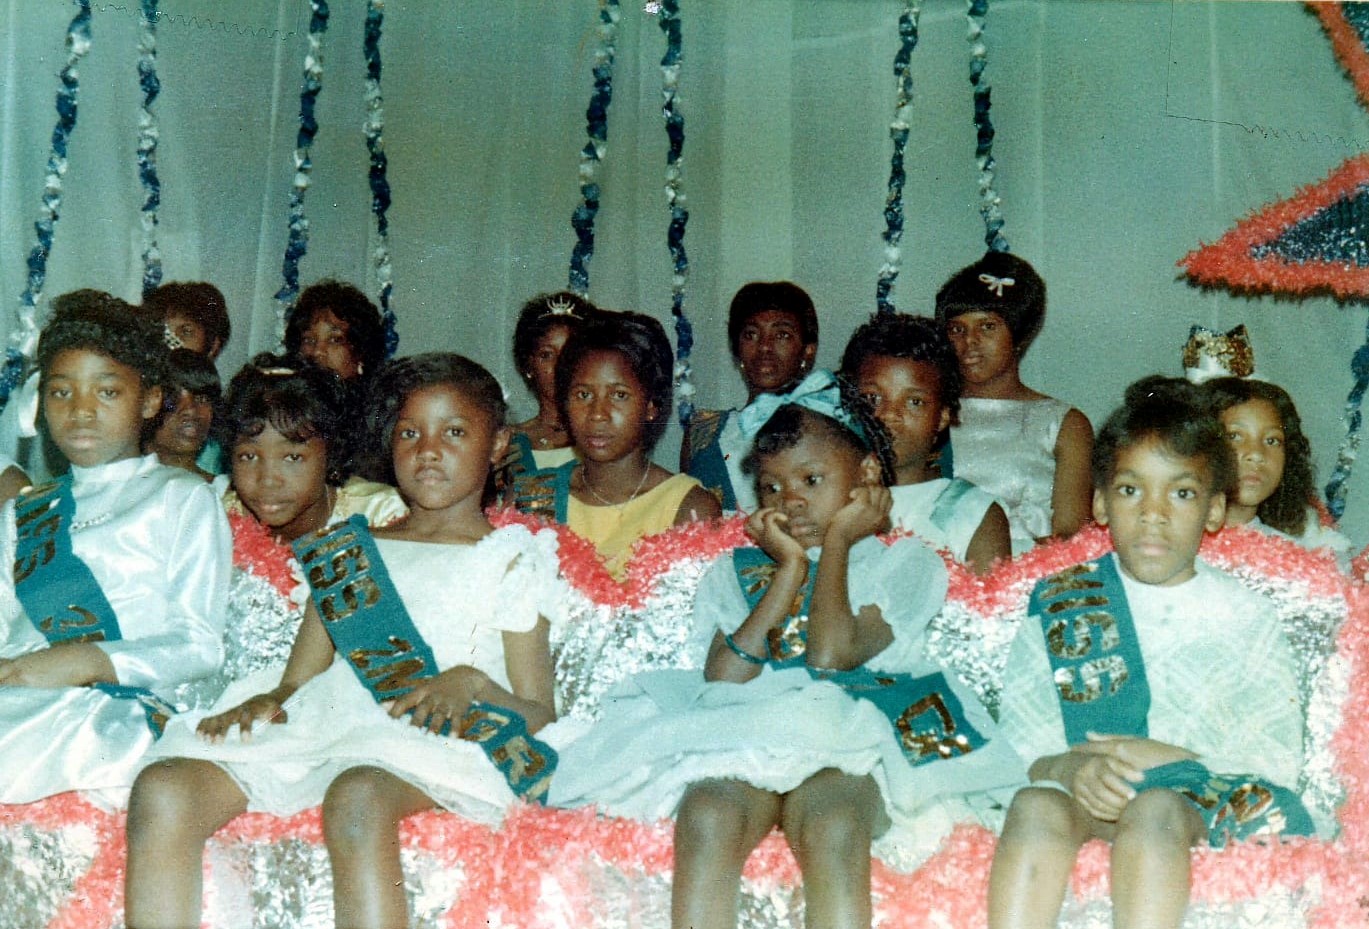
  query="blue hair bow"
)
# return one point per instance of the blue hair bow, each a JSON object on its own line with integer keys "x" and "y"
{"x": 818, "y": 392}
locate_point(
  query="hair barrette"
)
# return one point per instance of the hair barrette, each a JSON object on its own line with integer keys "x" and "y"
{"x": 996, "y": 284}
{"x": 276, "y": 372}
{"x": 561, "y": 307}
{"x": 172, "y": 340}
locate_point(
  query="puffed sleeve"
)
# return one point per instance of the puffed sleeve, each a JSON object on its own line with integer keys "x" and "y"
{"x": 531, "y": 585}
{"x": 719, "y": 605}
{"x": 1029, "y": 711}
{"x": 192, "y": 532}
{"x": 908, "y": 582}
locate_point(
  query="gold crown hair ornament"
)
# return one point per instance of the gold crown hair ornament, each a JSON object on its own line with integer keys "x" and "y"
{"x": 1209, "y": 354}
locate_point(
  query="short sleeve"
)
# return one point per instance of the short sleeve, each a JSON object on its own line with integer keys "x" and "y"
{"x": 907, "y": 581}
{"x": 719, "y": 605}
{"x": 530, "y": 586}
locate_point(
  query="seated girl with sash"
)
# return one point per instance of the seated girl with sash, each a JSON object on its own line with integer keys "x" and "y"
{"x": 115, "y": 603}
{"x": 286, "y": 434}
{"x": 1155, "y": 698}
{"x": 772, "y": 330}
{"x": 907, "y": 371}
{"x": 544, "y": 324}
{"x": 419, "y": 678}
{"x": 816, "y": 712}
{"x": 613, "y": 383}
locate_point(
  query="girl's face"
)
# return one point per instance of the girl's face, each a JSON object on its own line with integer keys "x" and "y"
{"x": 95, "y": 407}
{"x": 607, "y": 407}
{"x": 541, "y": 365}
{"x": 811, "y": 481}
{"x": 984, "y": 346}
{"x": 282, "y": 481}
{"x": 324, "y": 342}
{"x": 1255, "y": 431}
{"x": 186, "y": 428}
{"x": 771, "y": 352}
{"x": 906, "y": 396}
{"x": 444, "y": 445}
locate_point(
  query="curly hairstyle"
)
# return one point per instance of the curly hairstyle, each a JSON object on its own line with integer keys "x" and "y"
{"x": 1022, "y": 304}
{"x": 397, "y": 380}
{"x": 791, "y": 422}
{"x": 95, "y": 321}
{"x": 542, "y": 313}
{"x": 1173, "y": 412}
{"x": 365, "y": 329}
{"x": 198, "y": 301}
{"x": 914, "y": 338}
{"x": 301, "y": 403}
{"x": 641, "y": 341}
{"x": 1286, "y": 508}
{"x": 758, "y": 296}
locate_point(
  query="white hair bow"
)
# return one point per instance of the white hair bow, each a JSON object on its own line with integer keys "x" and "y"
{"x": 996, "y": 284}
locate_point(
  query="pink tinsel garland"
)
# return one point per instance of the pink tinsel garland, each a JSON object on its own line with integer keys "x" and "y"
{"x": 256, "y": 551}
{"x": 505, "y": 867}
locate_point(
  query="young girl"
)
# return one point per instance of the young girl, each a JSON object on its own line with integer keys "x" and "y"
{"x": 1154, "y": 697}
{"x": 907, "y": 371}
{"x": 772, "y": 329}
{"x": 1274, "y": 476}
{"x": 816, "y": 712}
{"x": 613, "y": 388}
{"x": 192, "y": 390}
{"x": 284, "y": 429}
{"x": 440, "y": 690}
{"x": 1029, "y": 450}
{"x": 544, "y": 324}
{"x": 119, "y": 569}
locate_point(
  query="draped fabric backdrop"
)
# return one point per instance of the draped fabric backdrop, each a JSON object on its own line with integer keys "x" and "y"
{"x": 1127, "y": 133}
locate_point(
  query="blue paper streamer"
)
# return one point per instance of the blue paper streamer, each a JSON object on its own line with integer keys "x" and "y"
{"x": 989, "y": 209}
{"x": 596, "y": 128}
{"x": 151, "y": 87}
{"x": 669, "y": 21}
{"x": 25, "y": 335}
{"x": 1354, "y": 419}
{"x": 898, "y": 132}
{"x": 380, "y": 184}
{"x": 298, "y": 243}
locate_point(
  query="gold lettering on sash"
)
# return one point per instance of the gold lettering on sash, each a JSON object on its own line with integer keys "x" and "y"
{"x": 938, "y": 740}
{"x": 1076, "y": 603}
{"x": 345, "y": 563}
{"x": 47, "y": 524}
{"x": 536, "y": 492}
{"x": 788, "y": 639}
{"x": 1074, "y": 578}
{"x": 523, "y": 761}
{"x": 341, "y": 539}
{"x": 481, "y": 724}
{"x": 389, "y": 676}
{"x": 1089, "y": 686}
{"x": 362, "y": 592}
{"x": 1081, "y": 631}
{"x": 1250, "y": 802}
{"x": 60, "y": 627}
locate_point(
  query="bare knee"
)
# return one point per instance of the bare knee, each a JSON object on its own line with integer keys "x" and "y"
{"x": 835, "y": 825}
{"x": 714, "y": 814}
{"x": 168, "y": 802}
{"x": 1157, "y": 819}
{"x": 358, "y": 807}
{"x": 1041, "y": 815}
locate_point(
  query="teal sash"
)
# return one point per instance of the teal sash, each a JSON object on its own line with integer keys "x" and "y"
{"x": 946, "y": 459}
{"x": 362, "y": 611}
{"x": 1233, "y": 806}
{"x": 707, "y": 463}
{"x": 1093, "y": 649}
{"x": 57, "y": 589}
{"x": 1091, "y": 638}
{"x": 928, "y": 719}
{"x": 544, "y": 492}
{"x": 943, "y": 511}
{"x": 157, "y": 710}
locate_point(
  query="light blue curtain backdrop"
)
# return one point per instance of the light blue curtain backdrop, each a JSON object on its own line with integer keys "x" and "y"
{"x": 1128, "y": 132}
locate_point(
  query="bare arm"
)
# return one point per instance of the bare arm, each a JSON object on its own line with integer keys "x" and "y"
{"x": 992, "y": 542}
{"x": 69, "y": 664}
{"x": 1072, "y": 496}
{"x": 698, "y": 504}
{"x": 838, "y": 638}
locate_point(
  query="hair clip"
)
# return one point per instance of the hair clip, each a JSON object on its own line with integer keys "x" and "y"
{"x": 996, "y": 284}
{"x": 276, "y": 372}
{"x": 561, "y": 307}
{"x": 172, "y": 340}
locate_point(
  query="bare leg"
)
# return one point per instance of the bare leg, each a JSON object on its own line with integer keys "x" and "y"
{"x": 718, "y": 825}
{"x": 361, "y": 814}
{"x": 175, "y": 807}
{"x": 829, "y": 821}
{"x": 1035, "y": 856}
{"x": 1151, "y": 860}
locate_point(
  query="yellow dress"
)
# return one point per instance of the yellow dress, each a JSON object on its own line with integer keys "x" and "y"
{"x": 613, "y": 530}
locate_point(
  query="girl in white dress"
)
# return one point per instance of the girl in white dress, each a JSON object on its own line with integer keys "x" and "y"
{"x": 907, "y": 371}
{"x": 1029, "y": 450}
{"x": 438, "y": 625}
{"x": 816, "y": 712}
{"x": 1275, "y": 478}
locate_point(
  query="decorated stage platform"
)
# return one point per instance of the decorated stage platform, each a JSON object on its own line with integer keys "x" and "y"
{"x": 61, "y": 860}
